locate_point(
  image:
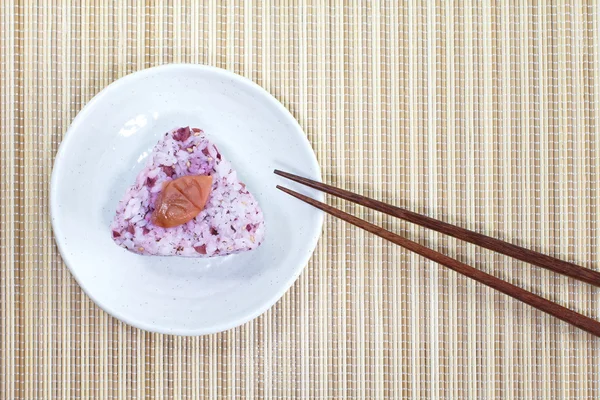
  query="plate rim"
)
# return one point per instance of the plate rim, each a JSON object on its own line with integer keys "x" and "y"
{"x": 56, "y": 228}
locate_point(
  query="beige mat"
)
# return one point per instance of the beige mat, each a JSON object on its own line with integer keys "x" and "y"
{"x": 483, "y": 114}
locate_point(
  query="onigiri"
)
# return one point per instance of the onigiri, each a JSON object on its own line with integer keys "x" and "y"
{"x": 231, "y": 221}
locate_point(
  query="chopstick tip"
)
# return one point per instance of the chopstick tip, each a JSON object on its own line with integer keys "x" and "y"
{"x": 285, "y": 190}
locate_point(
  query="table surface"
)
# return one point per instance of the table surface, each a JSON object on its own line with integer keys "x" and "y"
{"x": 483, "y": 115}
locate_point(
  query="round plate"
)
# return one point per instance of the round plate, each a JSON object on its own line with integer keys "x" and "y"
{"x": 107, "y": 145}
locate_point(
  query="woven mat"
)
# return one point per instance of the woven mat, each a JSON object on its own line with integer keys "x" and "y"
{"x": 484, "y": 115}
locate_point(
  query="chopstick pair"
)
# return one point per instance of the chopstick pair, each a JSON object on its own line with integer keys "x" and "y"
{"x": 563, "y": 267}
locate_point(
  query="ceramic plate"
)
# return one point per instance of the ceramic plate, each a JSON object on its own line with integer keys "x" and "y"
{"x": 107, "y": 145}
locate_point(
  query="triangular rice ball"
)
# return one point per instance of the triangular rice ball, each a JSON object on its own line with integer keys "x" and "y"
{"x": 231, "y": 221}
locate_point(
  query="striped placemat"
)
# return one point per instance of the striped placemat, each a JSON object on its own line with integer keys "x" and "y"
{"x": 484, "y": 114}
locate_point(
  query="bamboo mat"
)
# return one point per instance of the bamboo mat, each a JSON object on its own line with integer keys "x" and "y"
{"x": 483, "y": 114}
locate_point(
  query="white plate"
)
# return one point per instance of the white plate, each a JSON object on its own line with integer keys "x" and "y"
{"x": 107, "y": 145}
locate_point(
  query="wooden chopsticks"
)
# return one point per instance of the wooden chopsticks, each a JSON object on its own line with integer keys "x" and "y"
{"x": 581, "y": 321}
